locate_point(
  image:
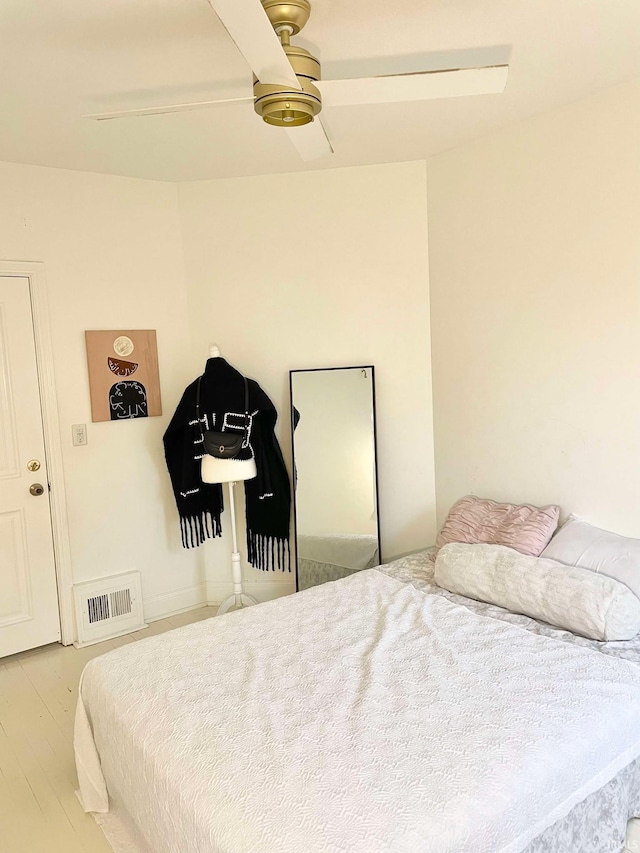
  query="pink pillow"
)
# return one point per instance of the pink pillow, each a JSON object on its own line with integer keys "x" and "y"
{"x": 523, "y": 527}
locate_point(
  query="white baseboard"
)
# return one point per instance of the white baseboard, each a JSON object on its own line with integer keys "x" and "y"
{"x": 262, "y": 591}
{"x": 190, "y": 598}
{"x": 179, "y": 601}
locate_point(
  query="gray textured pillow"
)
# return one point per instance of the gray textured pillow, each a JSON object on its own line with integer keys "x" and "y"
{"x": 580, "y": 601}
{"x": 580, "y": 544}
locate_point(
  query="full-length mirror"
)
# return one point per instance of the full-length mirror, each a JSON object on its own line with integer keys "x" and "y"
{"x": 335, "y": 474}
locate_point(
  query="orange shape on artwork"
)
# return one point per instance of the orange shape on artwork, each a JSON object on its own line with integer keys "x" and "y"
{"x": 121, "y": 368}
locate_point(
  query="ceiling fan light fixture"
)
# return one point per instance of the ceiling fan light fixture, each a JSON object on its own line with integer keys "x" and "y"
{"x": 281, "y": 112}
{"x": 282, "y": 107}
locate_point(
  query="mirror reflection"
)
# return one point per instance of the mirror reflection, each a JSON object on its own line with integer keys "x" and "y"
{"x": 334, "y": 449}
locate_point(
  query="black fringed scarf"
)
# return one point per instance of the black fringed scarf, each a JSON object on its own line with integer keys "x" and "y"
{"x": 268, "y": 495}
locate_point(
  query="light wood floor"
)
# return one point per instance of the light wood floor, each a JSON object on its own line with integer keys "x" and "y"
{"x": 39, "y": 812}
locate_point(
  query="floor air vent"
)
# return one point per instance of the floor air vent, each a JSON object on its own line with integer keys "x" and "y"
{"x": 108, "y": 607}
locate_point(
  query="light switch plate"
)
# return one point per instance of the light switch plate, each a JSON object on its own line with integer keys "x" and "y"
{"x": 79, "y": 434}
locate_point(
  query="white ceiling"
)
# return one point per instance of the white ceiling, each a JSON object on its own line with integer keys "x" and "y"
{"x": 61, "y": 60}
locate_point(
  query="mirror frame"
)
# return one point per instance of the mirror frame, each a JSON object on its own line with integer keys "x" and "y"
{"x": 293, "y": 449}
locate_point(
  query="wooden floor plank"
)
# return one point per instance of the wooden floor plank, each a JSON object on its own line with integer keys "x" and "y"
{"x": 191, "y": 616}
{"x": 35, "y": 805}
{"x": 52, "y": 752}
{"x": 160, "y": 626}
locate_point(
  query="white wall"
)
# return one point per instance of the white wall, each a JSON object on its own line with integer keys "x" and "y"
{"x": 534, "y": 236}
{"x": 113, "y": 259}
{"x": 324, "y": 269}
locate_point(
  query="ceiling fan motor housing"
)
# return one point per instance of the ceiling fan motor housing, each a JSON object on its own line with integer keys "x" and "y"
{"x": 293, "y": 14}
{"x": 285, "y": 107}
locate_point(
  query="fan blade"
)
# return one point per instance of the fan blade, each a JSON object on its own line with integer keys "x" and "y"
{"x": 248, "y": 25}
{"x": 172, "y": 108}
{"x": 311, "y": 140}
{"x": 420, "y": 86}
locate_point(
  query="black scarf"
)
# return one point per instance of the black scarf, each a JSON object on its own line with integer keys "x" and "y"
{"x": 268, "y": 495}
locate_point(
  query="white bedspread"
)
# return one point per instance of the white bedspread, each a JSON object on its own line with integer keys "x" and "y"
{"x": 407, "y": 725}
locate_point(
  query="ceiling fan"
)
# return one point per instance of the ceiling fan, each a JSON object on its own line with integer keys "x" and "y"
{"x": 288, "y": 91}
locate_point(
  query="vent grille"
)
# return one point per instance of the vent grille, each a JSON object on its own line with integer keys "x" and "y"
{"x": 108, "y": 607}
{"x": 121, "y": 602}
{"x": 101, "y": 607}
{"x": 98, "y": 608}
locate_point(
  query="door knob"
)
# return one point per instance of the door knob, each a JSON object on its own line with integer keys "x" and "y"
{"x": 36, "y": 490}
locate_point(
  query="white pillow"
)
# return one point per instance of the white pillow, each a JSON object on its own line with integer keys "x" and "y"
{"x": 577, "y": 600}
{"x": 580, "y": 544}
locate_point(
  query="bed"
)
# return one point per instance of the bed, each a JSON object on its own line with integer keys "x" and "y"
{"x": 416, "y": 721}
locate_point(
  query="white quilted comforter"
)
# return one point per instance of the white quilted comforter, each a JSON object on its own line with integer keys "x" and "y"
{"x": 357, "y": 717}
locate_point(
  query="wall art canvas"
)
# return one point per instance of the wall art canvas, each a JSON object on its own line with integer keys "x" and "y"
{"x": 123, "y": 374}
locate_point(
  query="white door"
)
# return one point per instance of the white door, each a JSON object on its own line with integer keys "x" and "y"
{"x": 29, "y": 614}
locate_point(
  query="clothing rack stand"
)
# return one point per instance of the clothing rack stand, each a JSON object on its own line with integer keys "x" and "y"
{"x": 239, "y": 598}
